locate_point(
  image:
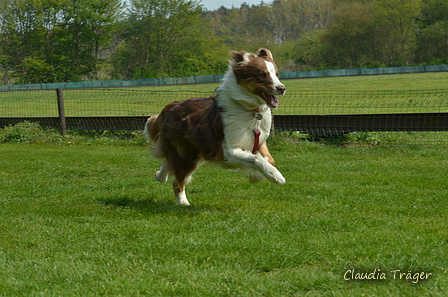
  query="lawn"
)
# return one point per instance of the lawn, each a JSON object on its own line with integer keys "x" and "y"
{"x": 84, "y": 219}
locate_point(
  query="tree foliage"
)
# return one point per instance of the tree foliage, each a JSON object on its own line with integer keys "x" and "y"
{"x": 68, "y": 40}
{"x": 396, "y": 24}
{"x": 433, "y": 38}
{"x": 348, "y": 38}
{"x": 164, "y": 38}
{"x": 61, "y": 38}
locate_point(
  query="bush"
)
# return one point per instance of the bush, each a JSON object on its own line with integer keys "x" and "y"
{"x": 108, "y": 137}
{"x": 28, "y": 132}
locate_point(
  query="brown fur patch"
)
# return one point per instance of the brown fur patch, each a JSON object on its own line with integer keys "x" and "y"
{"x": 191, "y": 129}
{"x": 263, "y": 150}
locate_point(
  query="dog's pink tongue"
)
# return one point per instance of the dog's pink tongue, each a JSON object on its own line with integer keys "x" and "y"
{"x": 271, "y": 100}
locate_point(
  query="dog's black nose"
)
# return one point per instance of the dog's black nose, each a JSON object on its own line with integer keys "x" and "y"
{"x": 281, "y": 89}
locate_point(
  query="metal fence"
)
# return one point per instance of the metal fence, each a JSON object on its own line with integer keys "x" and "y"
{"x": 313, "y": 112}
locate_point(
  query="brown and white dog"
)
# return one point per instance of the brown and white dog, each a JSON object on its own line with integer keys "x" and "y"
{"x": 229, "y": 128}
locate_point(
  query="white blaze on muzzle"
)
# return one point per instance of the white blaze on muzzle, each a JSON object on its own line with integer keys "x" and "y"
{"x": 277, "y": 84}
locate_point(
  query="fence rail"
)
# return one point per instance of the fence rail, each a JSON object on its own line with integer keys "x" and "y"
{"x": 318, "y": 125}
{"x": 311, "y": 112}
{"x": 321, "y": 125}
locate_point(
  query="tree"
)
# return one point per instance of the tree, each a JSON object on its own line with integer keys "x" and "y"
{"x": 18, "y": 24}
{"x": 70, "y": 40}
{"x": 63, "y": 37}
{"x": 164, "y": 38}
{"x": 348, "y": 38}
{"x": 433, "y": 38}
{"x": 308, "y": 49}
{"x": 89, "y": 26}
{"x": 36, "y": 70}
{"x": 396, "y": 29}
{"x": 4, "y": 40}
{"x": 292, "y": 18}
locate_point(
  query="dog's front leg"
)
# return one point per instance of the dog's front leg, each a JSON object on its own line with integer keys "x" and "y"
{"x": 255, "y": 161}
{"x": 256, "y": 176}
{"x": 263, "y": 150}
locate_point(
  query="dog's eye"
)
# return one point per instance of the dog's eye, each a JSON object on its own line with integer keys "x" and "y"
{"x": 263, "y": 75}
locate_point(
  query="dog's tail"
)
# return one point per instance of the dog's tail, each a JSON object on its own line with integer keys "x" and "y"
{"x": 152, "y": 129}
{"x": 152, "y": 133}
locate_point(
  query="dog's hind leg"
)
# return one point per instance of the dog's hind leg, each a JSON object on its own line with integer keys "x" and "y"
{"x": 162, "y": 174}
{"x": 179, "y": 191}
{"x": 179, "y": 186}
{"x": 183, "y": 169}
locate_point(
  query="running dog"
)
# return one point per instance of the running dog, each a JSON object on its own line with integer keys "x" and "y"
{"x": 229, "y": 128}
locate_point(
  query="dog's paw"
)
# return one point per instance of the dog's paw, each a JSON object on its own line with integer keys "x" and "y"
{"x": 256, "y": 177}
{"x": 281, "y": 180}
{"x": 184, "y": 202}
{"x": 275, "y": 176}
{"x": 182, "y": 199}
{"x": 160, "y": 178}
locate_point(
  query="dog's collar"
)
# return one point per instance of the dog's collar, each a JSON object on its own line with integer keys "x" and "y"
{"x": 257, "y": 114}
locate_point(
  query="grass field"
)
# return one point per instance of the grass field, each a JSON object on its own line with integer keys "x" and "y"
{"x": 83, "y": 219}
{"x": 422, "y": 92}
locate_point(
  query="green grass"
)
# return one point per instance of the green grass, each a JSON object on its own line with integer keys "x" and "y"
{"x": 410, "y": 81}
{"x": 85, "y": 219}
{"x": 422, "y": 92}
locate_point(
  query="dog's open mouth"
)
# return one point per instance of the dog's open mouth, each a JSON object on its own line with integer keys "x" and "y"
{"x": 271, "y": 100}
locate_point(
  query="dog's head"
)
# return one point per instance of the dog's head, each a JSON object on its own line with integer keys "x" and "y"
{"x": 258, "y": 74}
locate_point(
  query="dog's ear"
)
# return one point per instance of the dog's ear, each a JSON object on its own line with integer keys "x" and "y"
{"x": 241, "y": 57}
{"x": 264, "y": 53}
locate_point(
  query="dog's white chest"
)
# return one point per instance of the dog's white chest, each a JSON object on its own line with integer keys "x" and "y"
{"x": 239, "y": 131}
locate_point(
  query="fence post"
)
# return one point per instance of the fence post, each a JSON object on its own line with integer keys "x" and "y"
{"x": 61, "y": 111}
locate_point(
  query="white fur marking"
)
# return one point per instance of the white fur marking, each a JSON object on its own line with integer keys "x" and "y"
{"x": 182, "y": 198}
{"x": 271, "y": 68}
{"x": 256, "y": 162}
{"x": 162, "y": 174}
{"x": 246, "y": 58}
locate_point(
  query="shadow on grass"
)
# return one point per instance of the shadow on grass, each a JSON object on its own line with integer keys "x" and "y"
{"x": 151, "y": 206}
